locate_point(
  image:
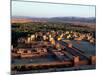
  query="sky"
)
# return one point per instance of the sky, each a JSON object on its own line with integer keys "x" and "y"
{"x": 33, "y": 9}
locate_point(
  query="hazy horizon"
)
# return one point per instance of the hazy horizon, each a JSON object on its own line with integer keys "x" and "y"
{"x": 50, "y": 17}
{"x": 44, "y": 10}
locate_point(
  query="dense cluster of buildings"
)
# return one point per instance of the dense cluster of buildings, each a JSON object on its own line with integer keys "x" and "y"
{"x": 52, "y": 36}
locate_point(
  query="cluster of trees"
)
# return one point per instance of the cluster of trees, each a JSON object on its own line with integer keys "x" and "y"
{"x": 41, "y": 26}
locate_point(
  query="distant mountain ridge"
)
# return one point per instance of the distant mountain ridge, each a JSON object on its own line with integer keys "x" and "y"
{"x": 54, "y": 19}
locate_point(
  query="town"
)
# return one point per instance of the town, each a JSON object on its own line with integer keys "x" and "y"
{"x": 51, "y": 49}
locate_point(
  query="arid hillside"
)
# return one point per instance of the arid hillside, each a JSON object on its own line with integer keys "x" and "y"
{"x": 20, "y": 20}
